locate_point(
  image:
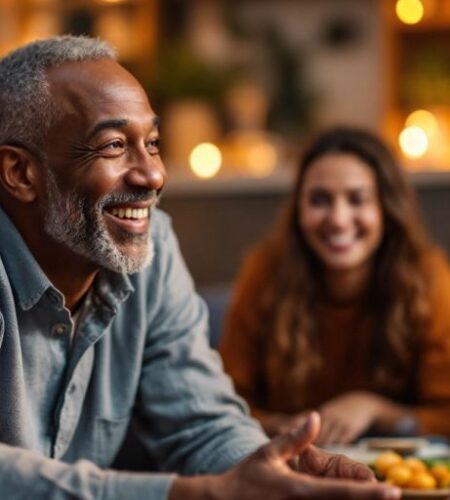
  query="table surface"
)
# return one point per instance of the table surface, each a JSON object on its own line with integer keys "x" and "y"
{"x": 431, "y": 448}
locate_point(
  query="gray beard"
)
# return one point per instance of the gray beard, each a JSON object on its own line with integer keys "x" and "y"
{"x": 70, "y": 220}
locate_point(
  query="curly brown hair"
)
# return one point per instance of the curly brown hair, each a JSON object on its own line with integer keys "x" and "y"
{"x": 396, "y": 301}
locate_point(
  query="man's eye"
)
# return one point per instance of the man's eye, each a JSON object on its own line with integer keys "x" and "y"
{"x": 153, "y": 146}
{"x": 112, "y": 148}
{"x": 114, "y": 145}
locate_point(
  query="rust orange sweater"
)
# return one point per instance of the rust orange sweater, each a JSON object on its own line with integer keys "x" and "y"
{"x": 345, "y": 350}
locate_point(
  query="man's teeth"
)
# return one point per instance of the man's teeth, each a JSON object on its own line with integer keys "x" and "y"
{"x": 130, "y": 213}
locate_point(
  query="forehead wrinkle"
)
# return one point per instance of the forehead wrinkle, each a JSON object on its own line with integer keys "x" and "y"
{"x": 79, "y": 96}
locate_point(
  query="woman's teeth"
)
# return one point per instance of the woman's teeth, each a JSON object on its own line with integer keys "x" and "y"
{"x": 339, "y": 240}
{"x": 130, "y": 213}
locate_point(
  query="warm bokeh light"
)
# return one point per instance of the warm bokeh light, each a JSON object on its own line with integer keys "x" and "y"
{"x": 409, "y": 11}
{"x": 423, "y": 119}
{"x": 413, "y": 142}
{"x": 205, "y": 160}
{"x": 262, "y": 158}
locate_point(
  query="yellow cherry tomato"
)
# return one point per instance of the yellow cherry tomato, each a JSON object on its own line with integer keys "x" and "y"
{"x": 415, "y": 464}
{"x": 387, "y": 460}
{"x": 442, "y": 475}
{"x": 399, "y": 475}
{"x": 422, "y": 481}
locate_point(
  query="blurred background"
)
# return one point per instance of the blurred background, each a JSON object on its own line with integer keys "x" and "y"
{"x": 241, "y": 84}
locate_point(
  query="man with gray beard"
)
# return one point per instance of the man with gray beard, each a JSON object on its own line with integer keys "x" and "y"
{"x": 70, "y": 220}
{"x": 95, "y": 342}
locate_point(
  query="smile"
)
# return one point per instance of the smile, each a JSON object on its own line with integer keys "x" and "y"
{"x": 133, "y": 220}
{"x": 341, "y": 240}
{"x": 130, "y": 213}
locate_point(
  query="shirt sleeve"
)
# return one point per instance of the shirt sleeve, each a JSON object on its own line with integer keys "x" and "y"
{"x": 25, "y": 474}
{"x": 433, "y": 410}
{"x": 191, "y": 420}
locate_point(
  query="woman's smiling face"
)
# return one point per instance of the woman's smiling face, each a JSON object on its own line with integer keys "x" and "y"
{"x": 340, "y": 213}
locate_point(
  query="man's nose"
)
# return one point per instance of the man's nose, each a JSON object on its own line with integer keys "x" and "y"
{"x": 148, "y": 172}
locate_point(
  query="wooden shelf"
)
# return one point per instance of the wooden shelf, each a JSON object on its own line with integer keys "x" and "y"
{"x": 129, "y": 25}
{"x": 418, "y": 62}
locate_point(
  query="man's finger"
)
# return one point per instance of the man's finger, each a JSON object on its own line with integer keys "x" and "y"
{"x": 325, "y": 489}
{"x": 320, "y": 463}
{"x": 293, "y": 442}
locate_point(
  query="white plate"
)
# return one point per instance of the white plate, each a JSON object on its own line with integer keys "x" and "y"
{"x": 403, "y": 446}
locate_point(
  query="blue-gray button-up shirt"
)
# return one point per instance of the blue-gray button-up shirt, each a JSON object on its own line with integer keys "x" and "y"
{"x": 140, "y": 357}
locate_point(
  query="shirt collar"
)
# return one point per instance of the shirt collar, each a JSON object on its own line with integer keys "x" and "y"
{"x": 113, "y": 288}
{"x": 30, "y": 282}
{"x": 26, "y": 276}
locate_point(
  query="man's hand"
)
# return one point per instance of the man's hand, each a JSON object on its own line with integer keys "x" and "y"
{"x": 266, "y": 474}
{"x": 275, "y": 424}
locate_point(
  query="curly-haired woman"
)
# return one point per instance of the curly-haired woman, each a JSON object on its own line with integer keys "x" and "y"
{"x": 345, "y": 306}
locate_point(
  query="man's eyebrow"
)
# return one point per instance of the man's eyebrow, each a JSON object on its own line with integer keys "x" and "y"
{"x": 116, "y": 123}
{"x": 156, "y": 121}
{"x": 106, "y": 124}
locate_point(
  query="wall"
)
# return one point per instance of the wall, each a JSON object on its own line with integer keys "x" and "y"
{"x": 343, "y": 43}
{"x": 216, "y": 227}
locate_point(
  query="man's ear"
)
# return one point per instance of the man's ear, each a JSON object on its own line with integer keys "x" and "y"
{"x": 19, "y": 173}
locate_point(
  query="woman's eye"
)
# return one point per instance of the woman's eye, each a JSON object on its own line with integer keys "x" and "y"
{"x": 319, "y": 199}
{"x": 358, "y": 199}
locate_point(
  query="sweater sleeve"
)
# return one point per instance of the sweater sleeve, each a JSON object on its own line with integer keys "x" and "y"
{"x": 433, "y": 411}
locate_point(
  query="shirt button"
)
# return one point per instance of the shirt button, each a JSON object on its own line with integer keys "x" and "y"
{"x": 58, "y": 448}
{"x": 71, "y": 389}
{"x": 60, "y": 329}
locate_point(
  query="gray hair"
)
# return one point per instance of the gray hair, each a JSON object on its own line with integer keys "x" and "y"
{"x": 26, "y": 108}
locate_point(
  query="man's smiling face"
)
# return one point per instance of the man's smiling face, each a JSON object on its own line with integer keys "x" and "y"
{"x": 104, "y": 172}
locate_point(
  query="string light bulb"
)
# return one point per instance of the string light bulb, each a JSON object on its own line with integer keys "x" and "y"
{"x": 413, "y": 142}
{"x": 409, "y": 11}
{"x": 205, "y": 160}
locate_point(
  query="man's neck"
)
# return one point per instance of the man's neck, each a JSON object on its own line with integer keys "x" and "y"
{"x": 70, "y": 273}
{"x": 73, "y": 287}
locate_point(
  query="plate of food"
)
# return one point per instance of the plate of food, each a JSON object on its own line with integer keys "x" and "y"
{"x": 402, "y": 446}
{"x": 419, "y": 479}
{"x": 408, "y": 494}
